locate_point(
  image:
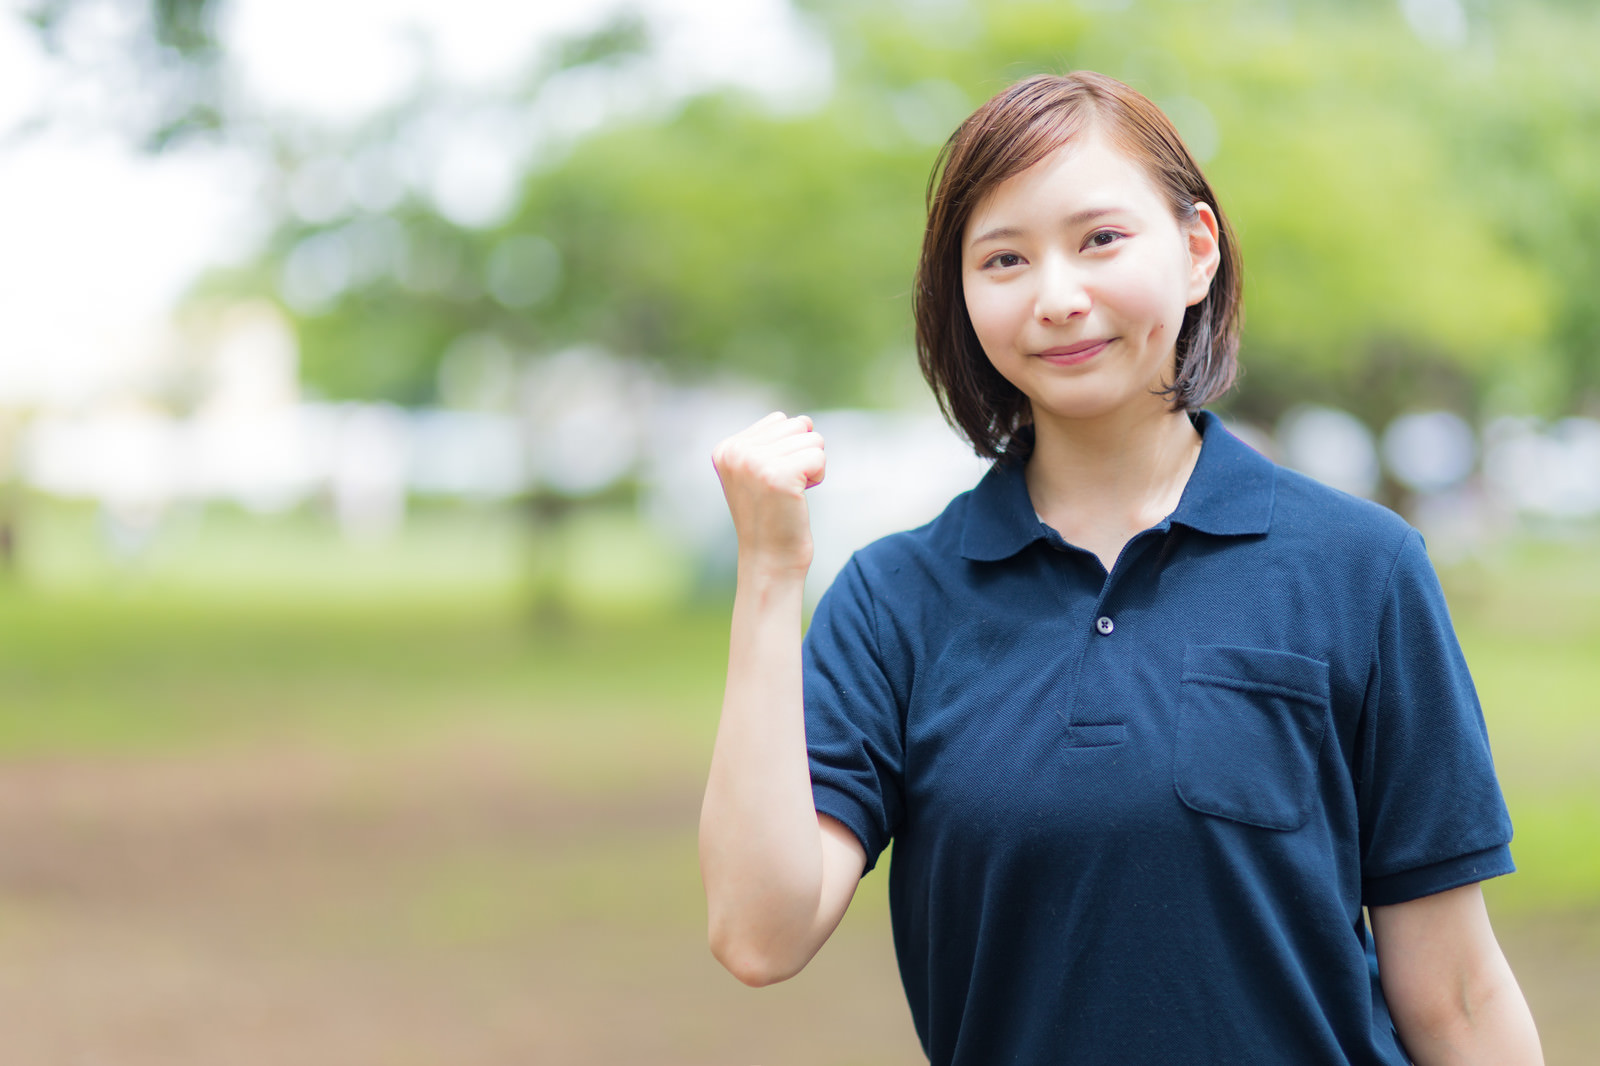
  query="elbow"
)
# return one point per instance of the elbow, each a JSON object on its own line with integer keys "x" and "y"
{"x": 748, "y": 961}
{"x": 1489, "y": 1016}
{"x": 754, "y": 970}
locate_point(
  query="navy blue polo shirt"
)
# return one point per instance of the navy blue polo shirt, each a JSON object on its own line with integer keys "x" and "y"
{"x": 1136, "y": 815}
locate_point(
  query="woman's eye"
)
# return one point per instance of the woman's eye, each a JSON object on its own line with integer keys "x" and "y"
{"x": 1004, "y": 259}
{"x": 1101, "y": 238}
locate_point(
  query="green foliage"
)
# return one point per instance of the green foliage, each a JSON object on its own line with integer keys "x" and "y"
{"x": 185, "y": 25}
{"x": 730, "y": 238}
{"x": 1358, "y": 164}
{"x": 626, "y": 35}
{"x": 384, "y": 343}
{"x": 1418, "y": 220}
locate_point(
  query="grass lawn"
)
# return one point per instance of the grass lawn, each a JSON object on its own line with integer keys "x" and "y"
{"x": 367, "y": 804}
{"x": 237, "y": 632}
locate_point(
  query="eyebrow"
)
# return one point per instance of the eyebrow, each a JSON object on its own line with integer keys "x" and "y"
{"x": 1001, "y": 233}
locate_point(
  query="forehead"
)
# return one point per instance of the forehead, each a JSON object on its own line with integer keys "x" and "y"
{"x": 1089, "y": 172}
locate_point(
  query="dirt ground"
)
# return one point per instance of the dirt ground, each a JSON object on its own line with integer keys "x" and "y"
{"x": 439, "y": 904}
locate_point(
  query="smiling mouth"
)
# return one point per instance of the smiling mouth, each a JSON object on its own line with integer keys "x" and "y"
{"x": 1073, "y": 354}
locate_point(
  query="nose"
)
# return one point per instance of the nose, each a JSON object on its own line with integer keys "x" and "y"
{"x": 1061, "y": 294}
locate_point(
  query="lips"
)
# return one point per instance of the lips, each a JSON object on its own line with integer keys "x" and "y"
{"x": 1072, "y": 354}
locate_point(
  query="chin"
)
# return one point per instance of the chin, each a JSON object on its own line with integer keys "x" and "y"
{"x": 1089, "y": 406}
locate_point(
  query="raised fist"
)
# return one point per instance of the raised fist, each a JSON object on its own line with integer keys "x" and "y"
{"x": 765, "y": 471}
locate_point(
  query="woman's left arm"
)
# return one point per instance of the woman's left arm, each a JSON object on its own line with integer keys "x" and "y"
{"x": 1451, "y": 994}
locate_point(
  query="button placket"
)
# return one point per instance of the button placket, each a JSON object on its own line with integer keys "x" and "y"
{"x": 1103, "y": 625}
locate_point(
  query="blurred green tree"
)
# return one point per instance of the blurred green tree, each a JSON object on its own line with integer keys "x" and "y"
{"x": 1416, "y": 199}
{"x": 1415, "y": 215}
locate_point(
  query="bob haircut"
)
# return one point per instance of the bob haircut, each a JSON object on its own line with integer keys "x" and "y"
{"x": 1019, "y": 127}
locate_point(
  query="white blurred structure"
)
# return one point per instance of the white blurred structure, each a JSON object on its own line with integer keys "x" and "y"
{"x": 1330, "y": 445}
{"x": 573, "y": 423}
{"x": 887, "y": 471}
{"x": 589, "y": 416}
{"x": 682, "y": 495}
{"x": 578, "y": 422}
{"x": 244, "y": 442}
{"x": 371, "y": 446}
{"x": 468, "y": 454}
{"x": 1545, "y": 472}
{"x": 1430, "y": 451}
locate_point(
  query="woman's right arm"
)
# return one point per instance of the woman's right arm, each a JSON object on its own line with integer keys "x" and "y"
{"x": 778, "y": 876}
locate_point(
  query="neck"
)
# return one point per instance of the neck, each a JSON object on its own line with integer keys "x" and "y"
{"x": 1126, "y": 469}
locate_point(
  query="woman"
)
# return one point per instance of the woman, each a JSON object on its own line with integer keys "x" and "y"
{"x": 1149, "y": 720}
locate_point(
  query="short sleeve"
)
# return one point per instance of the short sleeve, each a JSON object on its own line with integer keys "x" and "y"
{"x": 854, "y": 727}
{"x": 1432, "y": 816}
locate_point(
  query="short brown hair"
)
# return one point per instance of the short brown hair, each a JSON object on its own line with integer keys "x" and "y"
{"x": 1013, "y": 131}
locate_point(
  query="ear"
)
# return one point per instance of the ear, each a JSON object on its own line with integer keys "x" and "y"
{"x": 1205, "y": 251}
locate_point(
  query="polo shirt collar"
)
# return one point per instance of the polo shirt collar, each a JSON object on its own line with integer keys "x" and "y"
{"x": 1229, "y": 494}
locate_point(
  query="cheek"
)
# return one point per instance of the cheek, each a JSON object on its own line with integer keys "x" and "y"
{"x": 1150, "y": 294}
{"x": 989, "y": 313}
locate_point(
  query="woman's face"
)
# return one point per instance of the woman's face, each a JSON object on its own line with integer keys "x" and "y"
{"x": 1076, "y": 277}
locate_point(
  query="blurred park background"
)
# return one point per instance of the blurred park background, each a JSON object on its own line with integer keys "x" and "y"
{"x": 363, "y": 577}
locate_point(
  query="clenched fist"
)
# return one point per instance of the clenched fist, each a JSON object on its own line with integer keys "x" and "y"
{"x": 765, "y": 471}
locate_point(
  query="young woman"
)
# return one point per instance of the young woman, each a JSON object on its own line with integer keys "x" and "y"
{"x": 1149, "y": 720}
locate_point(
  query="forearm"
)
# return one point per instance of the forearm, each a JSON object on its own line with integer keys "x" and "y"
{"x": 761, "y": 854}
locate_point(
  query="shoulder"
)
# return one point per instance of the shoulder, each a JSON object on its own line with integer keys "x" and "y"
{"x": 1333, "y": 524}
{"x": 1283, "y": 517}
{"x": 890, "y": 594}
{"x": 1359, "y": 560}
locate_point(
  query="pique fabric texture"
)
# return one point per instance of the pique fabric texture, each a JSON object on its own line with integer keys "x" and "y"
{"x": 1136, "y": 815}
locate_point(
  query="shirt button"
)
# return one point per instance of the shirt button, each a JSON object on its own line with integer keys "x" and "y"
{"x": 1105, "y": 625}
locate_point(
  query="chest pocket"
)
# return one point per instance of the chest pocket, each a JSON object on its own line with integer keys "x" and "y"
{"x": 1250, "y": 725}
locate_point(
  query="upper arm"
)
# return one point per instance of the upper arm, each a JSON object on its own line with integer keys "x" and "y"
{"x": 1426, "y": 946}
{"x": 1447, "y": 984}
{"x": 843, "y": 862}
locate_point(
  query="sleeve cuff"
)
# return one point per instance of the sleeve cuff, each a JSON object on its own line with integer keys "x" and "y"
{"x": 839, "y": 805}
{"x": 1438, "y": 877}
